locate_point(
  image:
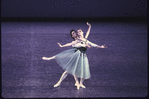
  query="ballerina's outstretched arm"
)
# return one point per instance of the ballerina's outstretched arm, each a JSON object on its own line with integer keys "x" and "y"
{"x": 102, "y": 46}
{"x": 88, "y": 31}
{"x": 95, "y": 45}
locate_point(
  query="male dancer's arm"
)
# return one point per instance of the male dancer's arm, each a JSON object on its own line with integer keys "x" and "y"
{"x": 66, "y": 45}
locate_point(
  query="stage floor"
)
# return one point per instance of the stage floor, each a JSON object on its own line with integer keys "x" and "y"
{"x": 118, "y": 71}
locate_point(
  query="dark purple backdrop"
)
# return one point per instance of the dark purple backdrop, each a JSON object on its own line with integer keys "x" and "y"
{"x": 73, "y": 8}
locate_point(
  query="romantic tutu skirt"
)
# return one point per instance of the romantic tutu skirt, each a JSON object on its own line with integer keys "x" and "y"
{"x": 75, "y": 62}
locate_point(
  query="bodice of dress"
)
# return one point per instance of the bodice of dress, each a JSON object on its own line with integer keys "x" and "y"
{"x": 79, "y": 44}
{"x": 83, "y": 43}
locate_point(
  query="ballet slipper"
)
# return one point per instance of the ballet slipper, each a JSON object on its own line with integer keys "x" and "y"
{"x": 82, "y": 86}
{"x": 75, "y": 84}
{"x": 78, "y": 86}
{"x": 56, "y": 85}
{"x": 44, "y": 58}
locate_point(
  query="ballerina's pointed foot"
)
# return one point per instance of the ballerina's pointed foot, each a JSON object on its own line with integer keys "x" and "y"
{"x": 82, "y": 86}
{"x": 56, "y": 85}
{"x": 77, "y": 85}
{"x": 46, "y": 58}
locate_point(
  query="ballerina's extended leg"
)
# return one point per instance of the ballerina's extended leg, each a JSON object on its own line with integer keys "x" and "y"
{"x": 64, "y": 75}
{"x": 45, "y": 58}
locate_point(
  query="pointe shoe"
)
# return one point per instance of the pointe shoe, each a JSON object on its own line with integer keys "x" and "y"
{"x": 82, "y": 86}
{"x": 78, "y": 86}
{"x": 56, "y": 85}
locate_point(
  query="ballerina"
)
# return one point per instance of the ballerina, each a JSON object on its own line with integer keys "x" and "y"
{"x": 82, "y": 42}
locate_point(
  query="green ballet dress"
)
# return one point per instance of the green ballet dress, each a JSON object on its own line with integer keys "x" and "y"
{"x": 75, "y": 61}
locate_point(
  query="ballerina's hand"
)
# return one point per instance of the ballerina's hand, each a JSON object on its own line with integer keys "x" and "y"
{"x": 88, "y": 24}
{"x": 59, "y": 44}
{"x": 103, "y": 46}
